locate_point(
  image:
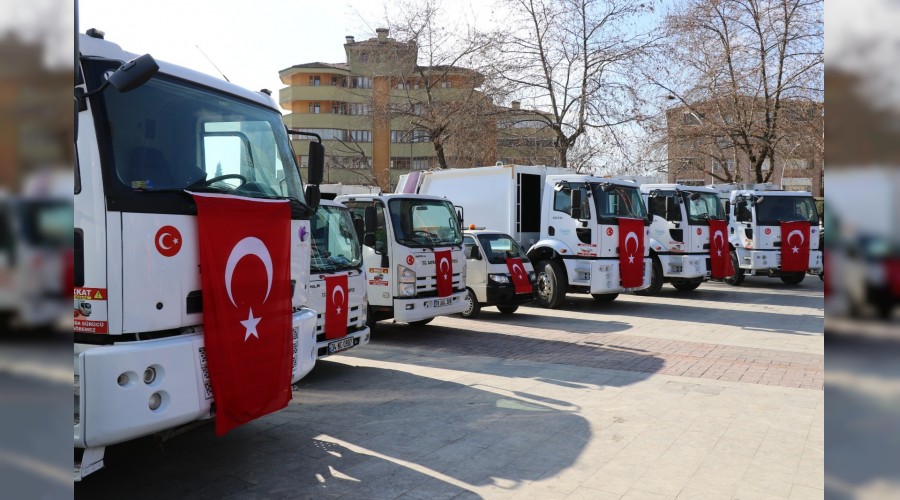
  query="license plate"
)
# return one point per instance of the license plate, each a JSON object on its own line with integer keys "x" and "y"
{"x": 443, "y": 302}
{"x": 340, "y": 345}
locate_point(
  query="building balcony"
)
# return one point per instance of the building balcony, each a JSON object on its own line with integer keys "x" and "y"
{"x": 323, "y": 93}
{"x": 328, "y": 120}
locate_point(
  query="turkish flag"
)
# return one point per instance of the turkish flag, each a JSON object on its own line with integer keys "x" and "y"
{"x": 795, "y": 246}
{"x": 719, "y": 254}
{"x": 892, "y": 270}
{"x": 631, "y": 252}
{"x": 443, "y": 264}
{"x": 336, "y": 306}
{"x": 519, "y": 276}
{"x": 246, "y": 283}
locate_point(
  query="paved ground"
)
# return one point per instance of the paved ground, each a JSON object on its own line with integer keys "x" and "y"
{"x": 711, "y": 394}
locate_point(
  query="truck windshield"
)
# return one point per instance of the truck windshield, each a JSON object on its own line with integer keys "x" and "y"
{"x": 335, "y": 246}
{"x": 171, "y": 135}
{"x": 499, "y": 247}
{"x": 706, "y": 206}
{"x": 424, "y": 223}
{"x": 618, "y": 201}
{"x": 773, "y": 210}
{"x": 47, "y": 223}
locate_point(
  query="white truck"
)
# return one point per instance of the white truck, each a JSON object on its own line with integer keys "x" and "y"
{"x": 413, "y": 256}
{"x": 145, "y": 131}
{"x": 569, "y": 223}
{"x": 336, "y": 252}
{"x": 679, "y": 234}
{"x": 755, "y": 214}
{"x": 498, "y": 273}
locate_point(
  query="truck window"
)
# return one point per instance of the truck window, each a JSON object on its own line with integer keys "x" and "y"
{"x": 663, "y": 205}
{"x": 562, "y": 202}
{"x": 706, "y": 206}
{"x": 334, "y": 245}
{"x": 499, "y": 247}
{"x": 620, "y": 201}
{"x": 424, "y": 223}
{"x": 772, "y": 210}
{"x": 468, "y": 245}
{"x": 358, "y": 209}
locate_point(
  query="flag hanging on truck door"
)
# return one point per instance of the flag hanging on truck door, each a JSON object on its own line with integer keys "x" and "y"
{"x": 795, "y": 246}
{"x": 245, "y": 279}
{"x": 336, "y": 305}
{"x": 720, "y": 265}
{"x": 631, "y": 252}
{"x": 443, "y": 263}
{"x": 519, "y": 276}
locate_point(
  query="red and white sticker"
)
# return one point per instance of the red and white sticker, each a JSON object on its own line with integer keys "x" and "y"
{"x": 768, "y": 231}
{"x": 90, "y": 310}
{"x": 699, "y": 231}
{"x": 410, "y": 260}
{"x": 168, "y": 241}
{"x": 609, "y": 231}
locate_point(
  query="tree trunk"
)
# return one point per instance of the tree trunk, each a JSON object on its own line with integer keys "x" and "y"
{"x": 439, "y": 150}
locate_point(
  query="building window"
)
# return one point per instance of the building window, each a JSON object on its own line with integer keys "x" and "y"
{"x": 359, "y": 135}
{"x": 314, "y": 81}
{"x": 315, "y": 108}
{"x": 401, "y": 163}
{"x": 446, "y": 84}
{"x": 796, "y": 164}
{"x": 336, "y": 81}
{"x": 420, "y": 163}
{"x": 361, "y": 82}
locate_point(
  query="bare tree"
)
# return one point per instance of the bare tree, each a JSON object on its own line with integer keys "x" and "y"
{"x": 747, "y": 77}
{"x": 571, "y": 60}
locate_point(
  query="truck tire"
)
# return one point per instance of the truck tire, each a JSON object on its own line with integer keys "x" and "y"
{"x": 738, "y": 277}
{"x": 793, "y": 278}
{"x": 604, "y": 298}
{"x": 686, "y": 286}
{"x": 421, "y": 322}
{"x": 552, "y": 283}
{"x": 472, "y": 305}
{"x": 656, "y": 279}
{"x": 507, "y": 309}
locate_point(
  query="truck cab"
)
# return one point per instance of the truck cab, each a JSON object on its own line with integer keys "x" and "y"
{"x": 679, "y": 234}
{"x": 336, "y": 251}
{"x": 755, "y": 215}
{"x": 412, "y": 255}
{"x": 492, "y": 258}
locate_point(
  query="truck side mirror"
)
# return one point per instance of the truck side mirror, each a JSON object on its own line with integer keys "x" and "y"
{"x": 474, "y": 253}
{"x": 368, "y": 239}
{"x": 369, "y": 224}
{"x": 313, "y": 196}
{"x": 134, "y": 73}
{"x": 316, "y": 163}
{"x": 359, "y": 227}
{"x": 576, "y": 204}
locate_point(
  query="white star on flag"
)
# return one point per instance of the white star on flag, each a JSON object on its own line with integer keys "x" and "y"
{"x": 796, "y": 250}
{"x": 250, "y": 324}
{"x": 719, "y": 253}
{"x": 631, "y": 259}
{"x": 175, "y": 241}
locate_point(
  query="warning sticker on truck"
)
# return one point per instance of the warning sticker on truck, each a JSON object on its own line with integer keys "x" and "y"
{"x": 90, "y": 310}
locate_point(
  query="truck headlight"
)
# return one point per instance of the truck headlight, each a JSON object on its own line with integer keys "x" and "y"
{"x": 405, "y": 274}
{"x": 503, "y": 279}
{"x": 407, "y": 289}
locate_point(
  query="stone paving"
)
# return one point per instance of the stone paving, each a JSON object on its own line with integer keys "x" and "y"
{"x": 712, "y": 394}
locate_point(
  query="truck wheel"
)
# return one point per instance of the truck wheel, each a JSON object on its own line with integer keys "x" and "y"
{"x": 421, "y": 322}
{"x": 738, "y": 277}
{"x": 656, "y": 279}
{"x": 604, "y": 297}
{"x": 507, "y": 309}
{"x": 472, "y": 306}
{"x": 686, "y": 286}
{"x": 551, "y": 283}
{"x": 793, "y": 278}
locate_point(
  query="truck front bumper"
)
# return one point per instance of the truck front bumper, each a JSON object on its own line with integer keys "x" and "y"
{"x": 602, "y": 275}
{"x": 769, "y": 261}
{"x": 327, "y": 347}
{"x": 684, "y": 266}
{"x": 505, "y": 295}
{"x": 418, "y": 309}
{"x": 113, "y": 398}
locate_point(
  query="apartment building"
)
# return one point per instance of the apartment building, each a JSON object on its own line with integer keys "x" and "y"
{"x": 375, "y": 113}
{"x": 701, "y": 145}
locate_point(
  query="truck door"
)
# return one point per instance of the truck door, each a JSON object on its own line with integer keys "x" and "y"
{"x": 571, "y": 219}
{"x": 375, "y": 251}
{"x": 667, "y": 216}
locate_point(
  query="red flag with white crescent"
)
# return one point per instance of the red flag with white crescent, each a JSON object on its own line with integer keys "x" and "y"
{"x": 892, "y": 270}
{"x": 795, "y": 246}
{"x": 246, "y": 283}
{"x": 443, "y": 264}
{"x": 720, "y": 265}
{"x": 336, "y": 306}
{"x": 631, "y": 252}
{"x": 519, "y": 275}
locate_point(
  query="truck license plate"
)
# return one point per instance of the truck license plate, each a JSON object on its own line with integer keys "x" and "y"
{"x": 340, "y": 345}
{"x": 442, "y": 302}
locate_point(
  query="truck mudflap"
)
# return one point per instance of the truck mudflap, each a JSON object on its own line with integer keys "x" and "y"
{"x": 602, "y": 275}
{"x": 133, "y": 389}
{"x": 417, "y": 309}
{"x": 684, "y": 265}
{"x": 769, "y": 261}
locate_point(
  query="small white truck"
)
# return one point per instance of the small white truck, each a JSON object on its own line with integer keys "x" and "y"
{"x": 336, "y": 253}
{"x": 569, "y": 223}
{"x": 755, "y": 217}
{"x": 412, "y": 255}
{"x": 679, "y": 234}
{"x": 498, "y": 273}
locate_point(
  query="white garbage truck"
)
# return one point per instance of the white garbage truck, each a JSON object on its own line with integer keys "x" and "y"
{"x": 413, "y": 256}
{"x": 337, "y": 286}
{"x": 579, "y": 230}
{"x": 758, "y": 215}
{"x": 679, "y": 234}
{"x": 146, "y": 133}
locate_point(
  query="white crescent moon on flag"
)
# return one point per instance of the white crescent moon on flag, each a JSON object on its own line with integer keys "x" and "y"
{"x": 162, "y": 245}
{"x": 444, "y": 261}
{"x": 798, "y": 232}
{"x": 719, "y": 236}
{"x": 245, "y": 247}
{"x": 515, "y": 267}
{"x": 628, "y": 238}
{"x": 333, "y": 292}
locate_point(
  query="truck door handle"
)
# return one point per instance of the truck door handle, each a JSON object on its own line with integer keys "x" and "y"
{"x": 551, "y": 231}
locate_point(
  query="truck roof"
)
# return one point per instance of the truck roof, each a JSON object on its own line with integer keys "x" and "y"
{"x": 96, "y": 47}
{"x": 590, "y": 178}
{"x": 699, "y": 189}
{"x": 388, "y": 196}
